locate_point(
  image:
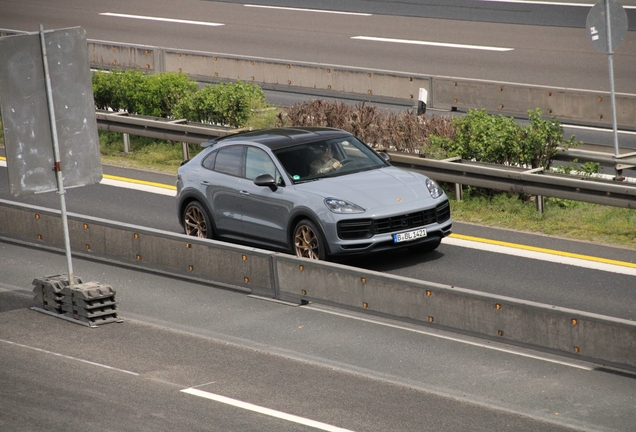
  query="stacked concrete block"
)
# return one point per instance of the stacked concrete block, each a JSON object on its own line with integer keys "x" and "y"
{"x": 48, "y": 292}
{"x": 91, "y": 302}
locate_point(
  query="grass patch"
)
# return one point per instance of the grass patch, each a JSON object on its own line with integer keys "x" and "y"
{"x": 561, "y": 218}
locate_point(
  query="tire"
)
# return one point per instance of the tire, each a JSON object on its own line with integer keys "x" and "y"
{"x": 308, "y": 241}
{"x": 196, "y": 221}
{"x": 429, "y": 246}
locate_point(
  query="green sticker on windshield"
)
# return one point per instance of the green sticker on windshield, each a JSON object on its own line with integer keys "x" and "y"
{"x": 296, "y": 177}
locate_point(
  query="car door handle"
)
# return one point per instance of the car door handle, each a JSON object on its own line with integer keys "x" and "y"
{"x": 205, "y": 183}
{"x": 244, "y": 193}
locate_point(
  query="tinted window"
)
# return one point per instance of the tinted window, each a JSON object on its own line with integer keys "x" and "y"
{"x": 208, "y": 162}
{"x": 257, "y": 162}
{"x": 229, "y": 160}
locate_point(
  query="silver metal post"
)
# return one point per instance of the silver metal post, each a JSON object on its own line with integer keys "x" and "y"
{"x": 185, "y": 151}
{"x": 459, "y": 192}
{"x": 611, "y": 76}
{"x": 58, "y": 164}
{"x": 126, "y": 143}
{"x": 540, "y": 204}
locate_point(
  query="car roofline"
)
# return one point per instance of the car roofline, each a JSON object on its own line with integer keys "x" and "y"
{"x": 277, "y": 138}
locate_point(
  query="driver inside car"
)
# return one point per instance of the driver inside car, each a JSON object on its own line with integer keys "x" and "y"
{"x": 325, "y": 162}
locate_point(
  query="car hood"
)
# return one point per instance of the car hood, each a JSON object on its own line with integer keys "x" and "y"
{"x": 376, "y": 189}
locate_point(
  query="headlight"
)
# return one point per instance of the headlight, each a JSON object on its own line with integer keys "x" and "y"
{"x": 341, "y": 206}
{"x": 433, "y": 188}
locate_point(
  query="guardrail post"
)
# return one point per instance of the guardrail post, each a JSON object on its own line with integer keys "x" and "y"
{"x": 126, "y": 143}
{"x": 540, "y": 203}
{"x": 459, "y": 192}
{"x": 185, "y": 151}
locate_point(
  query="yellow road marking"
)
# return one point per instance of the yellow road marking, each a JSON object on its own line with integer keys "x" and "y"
{"x": 547, "y": 251}
{"x": 457, "y": 236}
{"x": 129, "y": 180}
{"x": 142, "y": 182}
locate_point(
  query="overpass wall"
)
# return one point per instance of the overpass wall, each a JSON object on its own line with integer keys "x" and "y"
{"x": 447, "y": 93}
{"x": 602, "y": 339}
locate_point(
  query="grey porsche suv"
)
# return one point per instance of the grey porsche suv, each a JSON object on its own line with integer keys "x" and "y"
{"x": 319, "y": 193}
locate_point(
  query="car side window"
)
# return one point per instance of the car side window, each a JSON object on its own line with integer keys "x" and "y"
{"x": 229, "y": 160}
{"x": 257, "y": 162}
{"x": 209, "y": 160}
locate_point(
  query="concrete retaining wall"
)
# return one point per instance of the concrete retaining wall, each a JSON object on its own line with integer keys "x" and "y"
{"x": 571, "y": 105}
{"x": 598, "y": 338}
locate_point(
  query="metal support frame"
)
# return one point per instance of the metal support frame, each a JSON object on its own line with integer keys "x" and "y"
{"x": 57, "y": 161}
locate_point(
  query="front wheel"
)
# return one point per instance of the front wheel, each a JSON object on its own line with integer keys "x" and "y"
{"x": 308, "y": 242}
{"x": 196, "y": 221}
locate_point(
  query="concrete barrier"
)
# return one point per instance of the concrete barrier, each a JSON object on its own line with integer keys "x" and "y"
{"x": 228, "y": 265}
{"x": 580, "y": 106}
{"x": 566, "y": 331}
{"x": 601, "y": 339}
{"x": 572, "y": 105}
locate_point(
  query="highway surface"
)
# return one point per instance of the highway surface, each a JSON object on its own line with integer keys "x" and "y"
{"x": 579, "y": 283}
{"x": 184, "y": 346}
{"x": 525, "y": 52}
{"x": 196, "y": 358}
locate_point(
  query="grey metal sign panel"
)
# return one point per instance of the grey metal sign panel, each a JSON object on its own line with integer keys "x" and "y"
{"x": 25, "y": 113}
{"x": 597, "y": 25}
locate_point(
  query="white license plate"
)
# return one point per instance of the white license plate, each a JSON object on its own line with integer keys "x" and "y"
{"x": 409, "y": 236}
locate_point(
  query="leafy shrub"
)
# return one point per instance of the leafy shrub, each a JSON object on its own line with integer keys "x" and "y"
{"x": 500, "y": 140}
{"x": 139, "y": 93}
{"x": 225, "y": 104}
{"x": 174, "y": 95}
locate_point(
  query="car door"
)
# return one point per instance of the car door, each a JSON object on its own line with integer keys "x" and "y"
{"x": 265, "y": 212}
{"x": 222, "y": 185}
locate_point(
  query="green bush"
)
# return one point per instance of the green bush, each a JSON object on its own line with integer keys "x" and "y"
{"x": 500, "y": 140}
{"x": 139, "y": 93}
{"x": 224, "y": 104}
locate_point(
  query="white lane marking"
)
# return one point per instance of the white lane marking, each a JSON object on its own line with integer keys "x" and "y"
{"x": 262, "y": 410}
{"x": 69, "y": 357}
{"x": 598, "y": 129}
{"x": 172, "y": 20}
{"x": 139, "y": 187}
{"x": 437, "y": 44}
{"x": 308, "y": 10}
{"x": 548, "y": 3}
{"x": 541, "y": 256}
{"x": 450, "y": 338}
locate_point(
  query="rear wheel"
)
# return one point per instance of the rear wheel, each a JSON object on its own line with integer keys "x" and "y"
{"x": 196, "y": 221}
{"x": 308, "y": 242}
{"x": 429, "y": 246}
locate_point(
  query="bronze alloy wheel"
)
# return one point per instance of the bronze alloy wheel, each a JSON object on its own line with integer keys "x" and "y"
{"x": 307, "y": 241}
{"x": 195, "y": 221}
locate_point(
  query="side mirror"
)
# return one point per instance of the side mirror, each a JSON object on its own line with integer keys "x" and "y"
{"x": 266, "y": 180}
{"x": 385, "y": 156}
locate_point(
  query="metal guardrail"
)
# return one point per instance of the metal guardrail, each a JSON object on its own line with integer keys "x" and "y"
{"x": 520, "y": 180}
{"x": 160, "y": 128}
{"x": 458, "y": 171}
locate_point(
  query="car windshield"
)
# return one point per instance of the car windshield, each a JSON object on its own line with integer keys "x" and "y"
{"x": 328, "y": 158}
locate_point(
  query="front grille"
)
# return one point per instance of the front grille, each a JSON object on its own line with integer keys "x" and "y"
{"x": 366, "y": 228}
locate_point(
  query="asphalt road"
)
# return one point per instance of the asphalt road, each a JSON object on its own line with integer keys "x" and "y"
{"x": 543, "y": 55}
{"x": 341, "y": 369}
{"x": 320, "y": 364}
{"x": 608, "y": 290}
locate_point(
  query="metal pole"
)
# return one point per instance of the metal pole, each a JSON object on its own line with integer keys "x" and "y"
{"x": 56, "y": 153}
{"x": 611, "y": 76}
{"x": 126, "y": 143}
